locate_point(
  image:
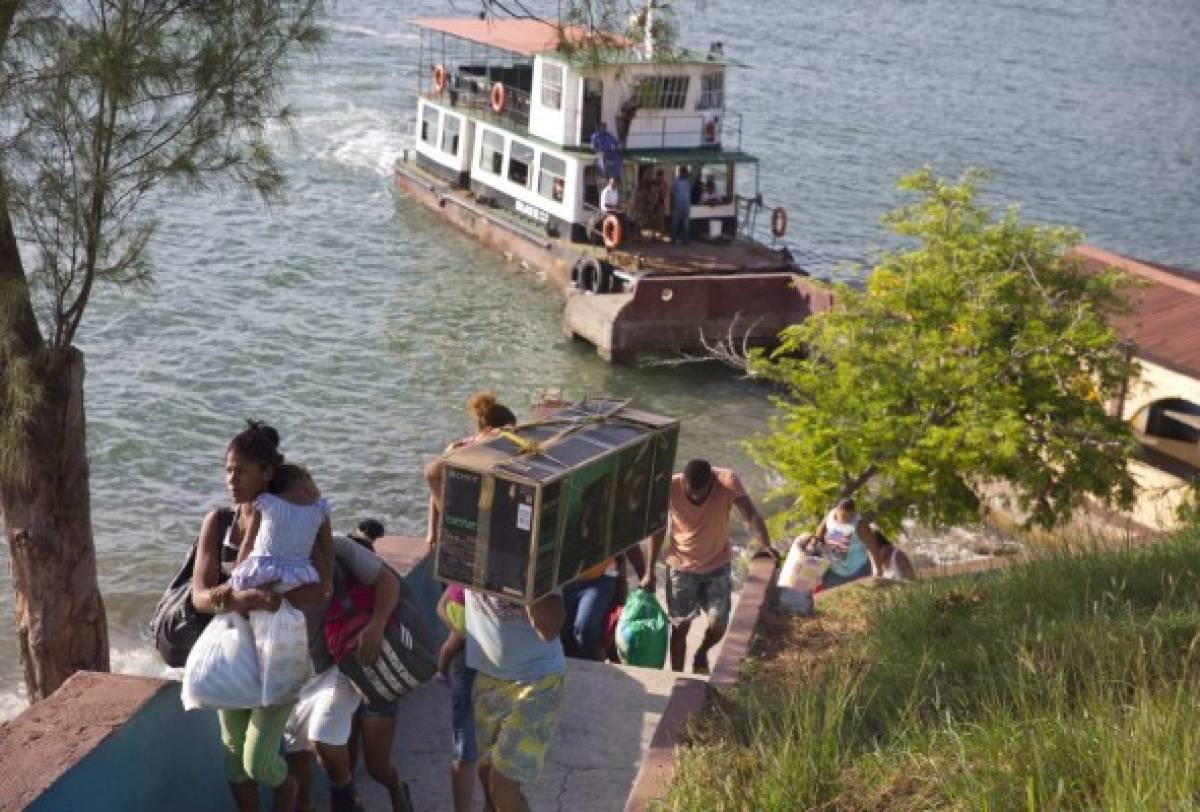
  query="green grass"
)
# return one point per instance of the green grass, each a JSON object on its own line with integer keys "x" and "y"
{"x": 1068, "y": 683}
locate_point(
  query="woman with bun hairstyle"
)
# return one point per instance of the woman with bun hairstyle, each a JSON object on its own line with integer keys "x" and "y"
{"x": 246, "y": 569}
{"x": 489, "y": 417}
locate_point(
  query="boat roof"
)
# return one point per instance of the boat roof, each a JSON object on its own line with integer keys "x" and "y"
{"x": 688, "y": 156}
{"x": 1165, "y": 309}
{"x": 523, "y": 37}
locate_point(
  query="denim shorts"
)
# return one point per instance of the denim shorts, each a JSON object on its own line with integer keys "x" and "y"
{"x": 384, "y": 710}
{"x": 462, "y": 709}
{"x": 689, "y": 593}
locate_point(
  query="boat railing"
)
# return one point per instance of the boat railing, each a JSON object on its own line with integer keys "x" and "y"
{"x": 671, "y": 132}
{"x": 475, "y": 95}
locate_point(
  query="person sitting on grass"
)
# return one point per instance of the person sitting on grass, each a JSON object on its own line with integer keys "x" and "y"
{"x": 896, "y": 564}
{"x": 853, "y": 549}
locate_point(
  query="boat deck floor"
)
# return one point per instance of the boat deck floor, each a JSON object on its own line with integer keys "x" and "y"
{"x": 654, "y": 255}
{"x": 649, "y": 253}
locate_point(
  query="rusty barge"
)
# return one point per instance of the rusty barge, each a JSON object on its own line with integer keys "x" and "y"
{"x": 517, "y": 138}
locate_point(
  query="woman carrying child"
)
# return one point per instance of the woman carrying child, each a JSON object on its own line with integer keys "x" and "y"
{"x": 283, "y": 544}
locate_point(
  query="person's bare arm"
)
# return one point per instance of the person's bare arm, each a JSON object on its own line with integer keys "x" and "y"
{"x": 638, "y": 559}
{"x": 208, "y": 596}
{"x": 649, "y": 579}
{"x": 818, "y": 537}
{"x": 387, "y": 595}
{"x": 547, "y": 616}
{"x": 758, "y": 527}
{"x": 878, "y": 557}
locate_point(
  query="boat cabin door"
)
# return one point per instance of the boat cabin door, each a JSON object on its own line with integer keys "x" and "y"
{"x": 590, "y": 110}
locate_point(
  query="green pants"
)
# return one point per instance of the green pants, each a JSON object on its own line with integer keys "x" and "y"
{"x": 251, "y": 739}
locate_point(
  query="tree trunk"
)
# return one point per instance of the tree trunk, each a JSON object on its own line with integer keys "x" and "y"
{"x": 61, "y": 624}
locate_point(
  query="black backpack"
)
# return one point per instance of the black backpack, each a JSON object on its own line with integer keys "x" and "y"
{"x": 176, "y": 624}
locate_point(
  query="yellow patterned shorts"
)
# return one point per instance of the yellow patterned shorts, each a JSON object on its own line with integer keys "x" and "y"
{"x": 514, "y": 722}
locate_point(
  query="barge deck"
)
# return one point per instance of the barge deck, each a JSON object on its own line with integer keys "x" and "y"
{"x": 666, "y": 298}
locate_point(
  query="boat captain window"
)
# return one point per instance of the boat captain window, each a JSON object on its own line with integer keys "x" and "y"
{"x": 552, "y": 178}
{"x": 451, "y": 127}
{"x": 520, "y": 162}
{"x": 712, "y": 92}
{"x": 552, "y": 82}
{"x": 662, "y": 92}
{"x": 429, "y": 124}
{"x": 491, "y": 152}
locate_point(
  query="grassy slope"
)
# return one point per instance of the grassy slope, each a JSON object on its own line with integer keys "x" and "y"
{"x": 1069, "y": 683}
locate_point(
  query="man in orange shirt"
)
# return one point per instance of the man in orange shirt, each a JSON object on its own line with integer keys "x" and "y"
{"x": 699, "y": 555}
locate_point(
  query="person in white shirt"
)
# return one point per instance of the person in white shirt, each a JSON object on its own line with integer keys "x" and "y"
{"x": 610, "y": 198}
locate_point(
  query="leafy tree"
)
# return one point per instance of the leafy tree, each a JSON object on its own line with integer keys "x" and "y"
{"x": 980, "y": 354}
{"x": 101, "y": 104}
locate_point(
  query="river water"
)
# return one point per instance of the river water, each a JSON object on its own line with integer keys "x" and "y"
{"x": 358, "y": 323}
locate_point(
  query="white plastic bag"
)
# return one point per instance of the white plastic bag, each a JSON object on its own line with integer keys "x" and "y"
{"x": 800, "y": 569}
{"x": 222, "y": 667}
{"x": 281, "y": 640}
{"x": 800, "y": 574}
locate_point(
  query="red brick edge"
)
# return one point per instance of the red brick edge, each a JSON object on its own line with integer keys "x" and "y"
{"x": 688, "y": 695}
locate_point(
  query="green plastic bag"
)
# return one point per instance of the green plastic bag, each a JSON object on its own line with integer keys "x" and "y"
{"x": 642, "y": 631}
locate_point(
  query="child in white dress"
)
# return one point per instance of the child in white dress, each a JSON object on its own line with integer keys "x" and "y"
{"x": 277, "y": 553}
{"x": 277, "y": 547}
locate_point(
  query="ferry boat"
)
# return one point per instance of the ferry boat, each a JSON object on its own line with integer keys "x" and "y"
{"x": 506, "y": 112}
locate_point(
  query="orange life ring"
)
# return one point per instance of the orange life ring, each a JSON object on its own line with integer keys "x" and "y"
{"x": 439, "y": 78}
{"x": 498, "y": 97}
{"x": 610, "y": 229}
{"x": 710, "y": 131}
{"x": 779, "y": 222}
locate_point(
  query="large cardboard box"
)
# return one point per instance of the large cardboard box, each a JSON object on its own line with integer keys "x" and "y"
{"x": 525, "y": 514}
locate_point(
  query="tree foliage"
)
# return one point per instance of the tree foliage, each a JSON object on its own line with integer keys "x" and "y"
{"x": 980, "y": 354}
{"x": 102, "y": 103}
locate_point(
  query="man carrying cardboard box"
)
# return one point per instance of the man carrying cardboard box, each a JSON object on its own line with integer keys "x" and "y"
{"x": 518, "y": 688}
{"x": 699, "y": 556}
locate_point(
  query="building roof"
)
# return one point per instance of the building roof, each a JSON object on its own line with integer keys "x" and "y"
{"x": 1164, "y": 324}
{"x": 524, "y": 37}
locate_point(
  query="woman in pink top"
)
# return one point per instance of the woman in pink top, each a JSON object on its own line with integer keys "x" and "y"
{"x": 699, "y": 555}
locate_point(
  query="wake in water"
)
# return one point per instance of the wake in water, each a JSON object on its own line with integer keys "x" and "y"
{"x": 133, "y": 658}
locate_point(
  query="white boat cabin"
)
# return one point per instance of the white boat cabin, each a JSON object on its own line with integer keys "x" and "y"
{"x": 507, "y": 112}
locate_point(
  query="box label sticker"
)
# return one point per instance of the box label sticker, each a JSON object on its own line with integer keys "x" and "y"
{"x": 524, "y": 516}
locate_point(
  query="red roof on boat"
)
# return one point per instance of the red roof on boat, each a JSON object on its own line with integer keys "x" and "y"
{"x": 525, "y": 37}
{"x": 1164, "y": 324}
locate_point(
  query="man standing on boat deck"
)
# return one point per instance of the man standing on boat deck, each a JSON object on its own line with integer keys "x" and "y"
{"x": 699, "y": 555}
{"x": 681, "y": 207}
{"x": 608, "y": 152}
{"x": 610, "y": 198}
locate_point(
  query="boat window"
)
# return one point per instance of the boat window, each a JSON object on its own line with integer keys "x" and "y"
{"x": 520, "y": 162}
{"x": 552, "y": 179}
{"x": 429, "y": 124}
{"x": 451, "y": 127}
{"x": 662, "y": 92}
{"x": 714, "y": 184}
{"x": 552, "y": 82}
{"x": 491, "y": 152}
{"x": 712, "y": 91}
